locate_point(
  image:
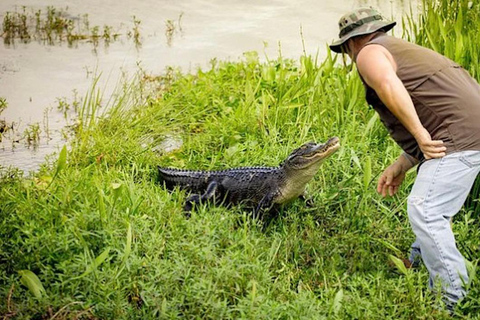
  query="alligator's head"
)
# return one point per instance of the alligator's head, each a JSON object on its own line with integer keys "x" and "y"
{"x": 301, "y": 165}
{"x": 310, "y": 155}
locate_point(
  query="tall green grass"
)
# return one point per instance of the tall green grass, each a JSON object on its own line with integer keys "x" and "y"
{"x": 94, "y": 235}
{"x": 450, "y": 28}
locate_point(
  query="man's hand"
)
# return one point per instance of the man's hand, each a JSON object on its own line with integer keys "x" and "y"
{"x": 394, "y": 175}
{"x": 431, "y": 149}
{"x": 391, "y": 179}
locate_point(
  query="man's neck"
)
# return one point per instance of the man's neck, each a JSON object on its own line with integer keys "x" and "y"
{"x": 359, "y": 42}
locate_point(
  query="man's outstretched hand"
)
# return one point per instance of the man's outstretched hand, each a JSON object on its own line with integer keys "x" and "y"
{"x": 391, "y": 179}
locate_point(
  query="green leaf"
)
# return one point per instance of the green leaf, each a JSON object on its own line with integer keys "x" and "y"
{"x": 337, "y": 301}
{"x": 231, "y": 151}
{"x": 128, "y": 249}
{"x": 251, "y": 57}
{"x": 389, "y": 245}
{"x": 31, "y": 281}
{"x": 97, "y": 262}
{"x": 62, "y": 160}
{"x": 101, "y": 206}
{"x": 399, "y": 264}
{"x": 355, "y": 159}
{"x": 431, "y": 41}
{"x": 128, "y": 245}
{"x": 116, "y": 190}
{"x": 472, "y": 271}
{"x": 61, "y": 163}
{"x": 367, "y": 172}
{"x": 370, "y": 124}
{"x": 293, "y": 106}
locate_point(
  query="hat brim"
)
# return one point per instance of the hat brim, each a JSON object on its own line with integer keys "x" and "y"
{"x": 367, "y": 28}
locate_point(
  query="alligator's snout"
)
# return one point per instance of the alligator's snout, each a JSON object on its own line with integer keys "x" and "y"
{"x": 332, "y": 144}
{"x": 334, "y": 141}
{"x": 323, "y": 150}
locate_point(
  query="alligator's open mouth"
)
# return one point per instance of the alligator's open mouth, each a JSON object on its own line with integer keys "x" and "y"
{"x": 325, "y": 149}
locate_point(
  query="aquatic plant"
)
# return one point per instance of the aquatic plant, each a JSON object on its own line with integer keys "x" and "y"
{"x": 135, "y": 32}
{"x": 3, "y": 104}
{"x": 54, "y": 26}
{"x": 31, "y": 135}
{"x": 172, "y": 27}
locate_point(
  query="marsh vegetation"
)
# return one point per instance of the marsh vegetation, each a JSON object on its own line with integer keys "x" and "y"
{"x": 93, "y": 235}
{"x": 57, "y": 26}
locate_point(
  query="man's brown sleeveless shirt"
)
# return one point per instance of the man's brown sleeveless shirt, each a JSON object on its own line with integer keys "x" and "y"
{"x": 446, "y": 97}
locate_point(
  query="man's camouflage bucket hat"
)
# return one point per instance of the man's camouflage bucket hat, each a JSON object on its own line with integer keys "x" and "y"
{"x": 359, "y": 22}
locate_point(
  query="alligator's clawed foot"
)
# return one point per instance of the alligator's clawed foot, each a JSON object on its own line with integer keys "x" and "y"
{"x": 308, "y": 201}
{"x": 189, "y": 203}
{"x": 187, "y": 208}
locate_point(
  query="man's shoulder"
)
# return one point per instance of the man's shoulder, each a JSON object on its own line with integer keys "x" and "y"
{"x": 384, "y": 38}
{"x": 372, "y": 48}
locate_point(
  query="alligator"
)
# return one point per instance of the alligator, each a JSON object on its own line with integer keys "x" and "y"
{"x": 259, "y": 188}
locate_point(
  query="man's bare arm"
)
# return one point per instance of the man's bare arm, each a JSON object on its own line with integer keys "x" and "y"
{"x": 378, "y": 69}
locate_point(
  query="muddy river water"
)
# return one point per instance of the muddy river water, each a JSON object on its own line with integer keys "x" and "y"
{"x": 36, "y": 78}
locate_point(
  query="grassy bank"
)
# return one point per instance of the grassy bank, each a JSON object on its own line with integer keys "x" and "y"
{"x": 93, "y": 235}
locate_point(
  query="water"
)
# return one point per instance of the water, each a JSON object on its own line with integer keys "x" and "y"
{"x": 34, "y": 76}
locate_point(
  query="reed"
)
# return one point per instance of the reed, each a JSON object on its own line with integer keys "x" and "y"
{"x": 451, "y": 28}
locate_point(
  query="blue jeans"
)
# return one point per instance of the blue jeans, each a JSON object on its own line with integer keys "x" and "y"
{"x": 440, "y": 189}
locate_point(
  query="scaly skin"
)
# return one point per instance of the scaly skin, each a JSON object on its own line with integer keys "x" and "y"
{"x": 256, "y": 187}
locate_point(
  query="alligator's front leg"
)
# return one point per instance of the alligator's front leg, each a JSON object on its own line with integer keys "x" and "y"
{"x": 198, "y": 198}
{"x": 264, "y": 205}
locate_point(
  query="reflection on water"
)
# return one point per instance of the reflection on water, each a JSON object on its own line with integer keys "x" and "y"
{"x": 35, "y": 77}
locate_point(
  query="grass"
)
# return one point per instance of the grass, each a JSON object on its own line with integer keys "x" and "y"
{"x": 93, "y": 235}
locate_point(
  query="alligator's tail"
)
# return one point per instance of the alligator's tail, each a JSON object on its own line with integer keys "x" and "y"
{"x": 172, "y": 177}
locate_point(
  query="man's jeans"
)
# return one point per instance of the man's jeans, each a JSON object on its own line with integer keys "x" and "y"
{"x": 441, "y": 188}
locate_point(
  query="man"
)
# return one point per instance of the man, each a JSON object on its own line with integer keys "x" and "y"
{"x": 431, "y": 108}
